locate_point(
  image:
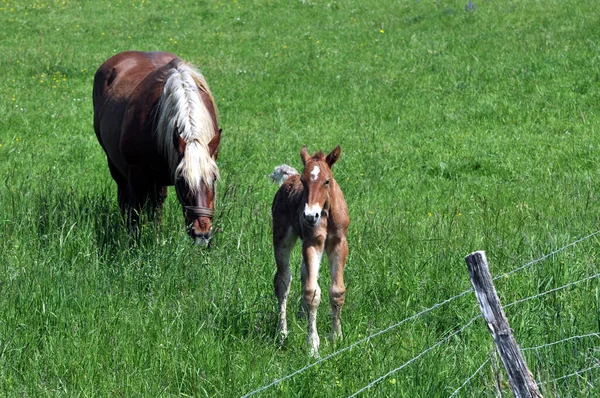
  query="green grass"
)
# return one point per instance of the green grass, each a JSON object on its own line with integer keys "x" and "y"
{"x": 460, "y": 131}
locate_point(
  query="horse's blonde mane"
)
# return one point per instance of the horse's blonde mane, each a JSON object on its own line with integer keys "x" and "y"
{"x": 181, "y": 111}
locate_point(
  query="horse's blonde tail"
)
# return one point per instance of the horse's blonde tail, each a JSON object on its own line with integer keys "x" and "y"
{"x": 281, "y": 173}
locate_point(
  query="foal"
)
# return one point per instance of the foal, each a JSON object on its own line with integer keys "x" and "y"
{"x": 310, "y": 206}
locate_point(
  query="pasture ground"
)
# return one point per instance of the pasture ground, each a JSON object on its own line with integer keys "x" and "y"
{"x": 462, "y": 128}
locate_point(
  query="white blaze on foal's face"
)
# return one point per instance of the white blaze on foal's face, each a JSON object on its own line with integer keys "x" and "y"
{"x": 316, "y": 195}
{"x": 315, "y": 173}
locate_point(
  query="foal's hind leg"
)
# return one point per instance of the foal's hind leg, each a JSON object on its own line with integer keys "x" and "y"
{"x": 283, "y": 243}
{"x": 312, "y": 251}
{"x": 337, "y": 253}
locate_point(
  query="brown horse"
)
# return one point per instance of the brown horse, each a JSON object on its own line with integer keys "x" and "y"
{"x": 156, "y": 119}
{"x": 310, "y": 206}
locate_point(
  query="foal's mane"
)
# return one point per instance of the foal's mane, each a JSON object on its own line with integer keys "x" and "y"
{"x": 318, "y": 156}
{"x": 181, "y": 111}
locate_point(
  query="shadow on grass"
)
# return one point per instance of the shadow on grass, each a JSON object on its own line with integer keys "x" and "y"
{"x": 94, "y": 216}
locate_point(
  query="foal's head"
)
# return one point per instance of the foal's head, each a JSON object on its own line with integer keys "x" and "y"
{"x": 316, "y": 180}
{"x": 196, "y": 191}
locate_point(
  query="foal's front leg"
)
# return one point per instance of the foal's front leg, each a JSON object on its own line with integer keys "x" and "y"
{"x": 337, "y": 253}
{"x": 283, "y": 243}
{"x": 312, "y": 251}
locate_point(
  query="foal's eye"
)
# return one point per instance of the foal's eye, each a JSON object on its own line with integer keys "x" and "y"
{"x": 326, "y": 182}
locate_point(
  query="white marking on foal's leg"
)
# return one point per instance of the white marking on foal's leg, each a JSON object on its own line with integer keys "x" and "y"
{"x": 283, "y": 279}
{"x": 311, "y": 296}
{"x": 313, "y": 335}
{"x": 315, "y": 173}
{"x": 283, "y": 331}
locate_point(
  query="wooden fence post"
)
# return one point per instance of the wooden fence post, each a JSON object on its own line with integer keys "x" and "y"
{"x": 520, "y": 378}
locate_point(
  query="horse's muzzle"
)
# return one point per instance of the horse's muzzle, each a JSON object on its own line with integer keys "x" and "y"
{"x": 200, "y": 236}
{"x": 200, "y": 229}
{"x": 202, "y": 240}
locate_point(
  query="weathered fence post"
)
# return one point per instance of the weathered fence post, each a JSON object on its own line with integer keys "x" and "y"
{"x": 520, "y": 378}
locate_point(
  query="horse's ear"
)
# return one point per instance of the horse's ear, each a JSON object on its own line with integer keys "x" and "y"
{"x": 333, "y": 156}
{"x": 213, "y": 145}
{"x": 304, "y": 154}
{"x": 179, "y": 143}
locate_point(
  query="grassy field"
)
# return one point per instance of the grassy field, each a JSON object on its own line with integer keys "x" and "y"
{"x": 462, "y": 128}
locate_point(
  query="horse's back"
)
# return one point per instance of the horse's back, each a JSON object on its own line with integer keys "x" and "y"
{"x": 117, "y": 78}
{"x": 123, "y": 95}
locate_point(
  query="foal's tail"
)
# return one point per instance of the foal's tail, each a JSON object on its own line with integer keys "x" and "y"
{"x": 281, "y": 173}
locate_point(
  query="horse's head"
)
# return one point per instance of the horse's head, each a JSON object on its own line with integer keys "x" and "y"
{"x": 316, "y": 180}
{"x": 197, "y": 195}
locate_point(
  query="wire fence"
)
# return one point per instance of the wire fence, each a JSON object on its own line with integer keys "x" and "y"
{"x": 455, "y": 333}
{"x": 467, "y": 325}
{"x": 539, "y": 347}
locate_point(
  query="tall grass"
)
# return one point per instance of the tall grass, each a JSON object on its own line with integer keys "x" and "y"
{"x": 461, "y": 129}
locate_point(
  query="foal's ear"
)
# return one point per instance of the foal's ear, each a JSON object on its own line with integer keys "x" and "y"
{"x": 304, "y": 154}
{"x": 179, "y": 143}
{"x": 333, "y": 156}
{"x": 213, "y": 145}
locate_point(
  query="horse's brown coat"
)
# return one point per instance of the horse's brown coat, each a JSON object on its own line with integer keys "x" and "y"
{"x": 126, "y": 93}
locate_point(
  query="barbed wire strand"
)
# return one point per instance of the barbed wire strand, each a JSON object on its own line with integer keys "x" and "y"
{"x": 551, "y": 290}
{"x": 572, "y": 374}
{"x": 421, "y": 313}
{"x": 277, "y": 381}
{"x": 529, "y": 264}
{"x": 417, "y": 356}
{"x": 561, "y": 341}
{"x": 524, "y": 349}
{"x": 464, "y": 327}
{"x": 470, "y": 377}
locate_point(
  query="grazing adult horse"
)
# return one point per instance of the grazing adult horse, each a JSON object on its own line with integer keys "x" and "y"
{"x": 156, "y": 119}
{"x": 310, "y": 206}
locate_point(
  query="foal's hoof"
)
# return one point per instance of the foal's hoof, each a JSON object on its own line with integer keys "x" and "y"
{"x": 336, "y": 336}
{"x": 282, "y": 337}
{"x": 301, "y": 312}
{"x": 313, "y": 345}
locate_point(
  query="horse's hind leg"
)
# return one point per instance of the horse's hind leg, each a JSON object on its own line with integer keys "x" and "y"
{"x": 283, "y": 243}
{"x": 131, "y": 209}
{"x": 136, "y": 197}
{"x": 312, "y": 251}
{"x": 157, "y": 199}
{"x": 124, "y": 194}
{"x": 337, "y": 253}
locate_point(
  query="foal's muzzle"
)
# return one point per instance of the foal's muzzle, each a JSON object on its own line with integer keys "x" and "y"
{"x": 311, "y": 220}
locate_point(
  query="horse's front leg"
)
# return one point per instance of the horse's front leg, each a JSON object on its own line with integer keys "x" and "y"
{"x": 312, "y": 251}
{"x": 159, "y": 194}
{"x": 337, "y": 253}
{"x": 283, "y": 243}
